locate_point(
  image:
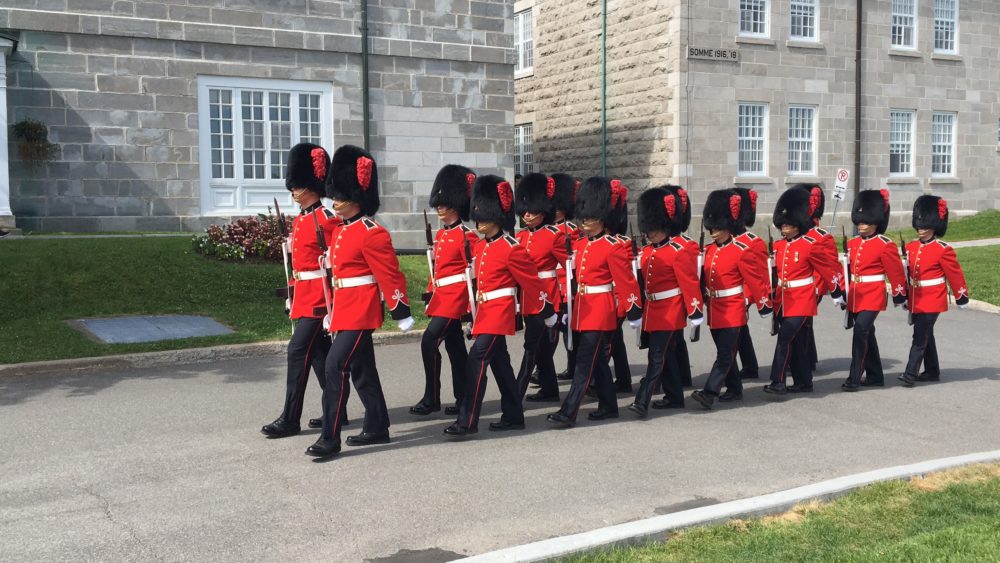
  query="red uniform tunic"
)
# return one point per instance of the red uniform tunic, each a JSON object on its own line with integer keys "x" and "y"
{"x": 803, "y": 264}
{"x": 758, "y": 251}
{"x": 870, "y": 261}
{"x": 501, "y": 265}
{"x": 670, "y": 273}
{"x": 599, "y": 262}
{"x": 732, "y": 278}
{"x": 571, "y": 231}
{"x": 931, "y": 263}
{"x": 546, "y": 245}
{"x": 308, "y": 299}
{"x": 450, "y": 300}
{"x": 363, "y": 263}
{"x": 827, "y": 244}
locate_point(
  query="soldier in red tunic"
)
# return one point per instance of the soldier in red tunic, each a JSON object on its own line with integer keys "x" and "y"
{"x": 365, "y": 274}
{"x": 603, "y": 273}
{"x": 501, "y": 265}
{"x": 617, "y": 228}
{"x": 669, "y": 271}
{"x": 803, "y": 266}
{"x": 872, "y": 257}
{"x": 304, "y": 177}
{"x": 566, "y": 187}
{"x": 732, "y": 277}
{"x": 932, "y": 262}
{"x": 546, "y": 245}
{"x": 758, "y": 250}
{"x": 447, "y": 292}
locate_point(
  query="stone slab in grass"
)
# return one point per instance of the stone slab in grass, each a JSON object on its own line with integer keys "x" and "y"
{"x": 128, "y": 330}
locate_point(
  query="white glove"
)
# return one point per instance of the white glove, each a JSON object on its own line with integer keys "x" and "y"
{"x": 405, "y": 324}
{"x": 565, "y": 319}
{"x": 966, "y": 306}
{"x": 551, "y": 321}
{"x": 288, "y": 305}
{"x": 326, "y": 323}
{"x": 766, "y": 315}
{"x": 839, "y": 301}
{"x": 636, "y": 323}
{"x": 696, "y": 322}
{"x": 468, "y": 330}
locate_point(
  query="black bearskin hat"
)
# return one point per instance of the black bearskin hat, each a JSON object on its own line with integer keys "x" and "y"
{"x": 793, "y": 209}
{"x": 683, "y": 202}
{"x": 659, "y": 210}
{"x": 536, "y": 194}
{"x": 619, "y": 209}
{"x": 931, "y": 212}
{"x": 748, "y": 206}
{"x": 354, "y": 177}
{"x": 872, "y": 207}
{"x": 566, "y": 187}
{"x": 593, "y": 200}
{"x": 493, "y": 202}
{"x": 817, "y": 200}
{"x": 453, "y": 188}
{"x": 307, "y": 166}
{"x": 722, "y": 211}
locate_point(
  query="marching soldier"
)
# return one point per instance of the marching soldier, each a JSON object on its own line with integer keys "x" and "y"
{"x": 803, "y": 266}
{"x": 618, "y": 229}
{"x": 932, "y": 262}
{"x": 501, "y": 265}
{"x": 817, "y": 202}
{"x": 448, "y": 296}
{"x": 758, "y": 250}
{"x": 731, "y": 277}
{"x": 681, "y": 361}
{"x": 673, "y": 296}
{"x": 566, "y": 187}
{"x": 546, "y": 245}
{"x": 364, "y": 274}
{"x": 304, "y": 177}
{"x": 872, "y": 257}
{"x": 603, "y": 272}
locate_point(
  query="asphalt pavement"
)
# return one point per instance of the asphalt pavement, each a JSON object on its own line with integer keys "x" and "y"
{"x": 168, "y": 463}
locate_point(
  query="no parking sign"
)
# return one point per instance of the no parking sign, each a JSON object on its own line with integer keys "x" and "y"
{"x": 840, "y": 186}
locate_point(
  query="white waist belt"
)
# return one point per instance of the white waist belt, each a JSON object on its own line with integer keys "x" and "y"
{"x": 726, "y": 292}
{"x": 868, "y": 279}
{"x": 449, "y": 280}
{"x": 588, "y": 289}
{"x": 546, "y": 274}
{"x": 485, "y": 296}
{"x": 661, "y": 295}
{"x": 340, "y": 283}
{"x": 927, "y": 283}
{"x": 789, "y": 284}
{"x": 311, "y": 275}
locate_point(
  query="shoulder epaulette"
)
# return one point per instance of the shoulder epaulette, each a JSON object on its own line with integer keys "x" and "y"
{"x": 884, "y": 239}
{"x": 821, "y": 232}
{"x": 741, "y": 245}
{"x": 808, "y": 239}
{"x": 676, "y": 246}
{"x": 510, "y": 240}
{"x": 685, "y": 237}
{"x": 552, "y": 228}
{"x": 610, "y": 239}
{"x": 572, "y": 226}
{"x": 751, "y": 236}
{"x": 942, "y": 243}
{"x": 327, "y": 213}
{"x": 369, "y": 224}
{"x": 465, "y": 228}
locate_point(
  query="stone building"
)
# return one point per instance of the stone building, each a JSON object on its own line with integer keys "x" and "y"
{"x": 762, "y": 93}
{"x": 173, "y": 114}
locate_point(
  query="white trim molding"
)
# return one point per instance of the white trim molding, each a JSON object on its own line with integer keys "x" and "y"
{"x": 6, "y": 214}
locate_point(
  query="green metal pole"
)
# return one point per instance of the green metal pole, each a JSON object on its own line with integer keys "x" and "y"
{"x": 365, "y": 102}
{"x": 604, "y": 87}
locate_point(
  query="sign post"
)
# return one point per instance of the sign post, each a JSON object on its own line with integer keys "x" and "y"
{"x": 839, "y": 191}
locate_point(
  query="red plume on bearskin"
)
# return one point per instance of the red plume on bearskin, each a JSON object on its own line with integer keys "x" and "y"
{"x": 453, "y": 188}
{"x": 942, "y": 208}
{"x": 885, "y": 197}
{"x": 656, "y": 210}
{"x": 734, "y": 206}
{"x": 353, "y": 176}
{"x": 319, "y": 162}
{"x": 307, "y": 167}
{"x": 550, "y": 187}
{"x": 565, "y": 193}
{"x": 470, "y": 179}
{"x": 533, "y": 196}
{"x": 871, "y": 207}
{"x": 753, "y": 200}
{"x": 364, "y": 166}
{"x": 931, "y": 212}
{"x": 722, "y": 211}
{"x": 493, "y": 201}
{"x": 682, "y": 193}
{"x": 813, "y": 201}
{"x": 670, "y": 204}
{"x": 506, "y": 195}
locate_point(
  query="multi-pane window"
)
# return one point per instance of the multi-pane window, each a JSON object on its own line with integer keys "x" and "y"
{"x": 943, "y": 144}
{"x": 945, "y": 25}
{"x": 753, "y": 17}
{"x": 904, "y": 19}
{"x": 525, "y": 43}
{"x": 220, "y": 107}
{"x": 801, "y": 140}
{"x": 803, "y": 19}
{"x": 901, "y": 143}
{"x": 524, "y": 160}
{"x": 751, "y": 135}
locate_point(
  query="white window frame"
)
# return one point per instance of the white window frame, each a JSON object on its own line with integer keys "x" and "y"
{"x": 805, "y": 4}
{"x": 524, "y": 43}
{"x": 943, "y": 147}
{"x": 524, "y": 148}
{"x": 742, "y": 140}
{"x": 799, "y": 170}
{"x": 902, "y": 144}
{"x": 902, "y": 17}
{"x": 765, "y": 8}
{"x": 954, "y": 21}
{"x": 239, "y": 195}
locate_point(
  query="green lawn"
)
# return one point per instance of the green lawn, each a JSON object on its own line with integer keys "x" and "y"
{"x": 47, "y": 282}
{"x": 982, "y": 272}
{"x": 953, "y": 516}
{"x": 985, "y": 224}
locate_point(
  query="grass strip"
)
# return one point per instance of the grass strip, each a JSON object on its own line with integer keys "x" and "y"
{"x": 982, "y": 273}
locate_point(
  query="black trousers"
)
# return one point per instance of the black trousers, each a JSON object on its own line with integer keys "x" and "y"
{"x": 592, "y": 364}
{"x": 571, "y": 354}
{"x": 865, "y": 358}
{"x": 727, "y": 344}
{"x": 539, "y": 347}
{"x": 790, "y": 351}
{"x": 923, "y": 349}
{"x": 618, "y": 353}
{"x": 306, "y": 351}
{"x": 661, "y": 368}
{"x": 449, "y": 331}
{"x": 352, "y": 359}
{"x": 489, "y": 351}
{"x": 748, "y": 356}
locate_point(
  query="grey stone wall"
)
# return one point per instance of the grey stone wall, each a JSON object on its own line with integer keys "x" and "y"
{"x": 116, "y": 82}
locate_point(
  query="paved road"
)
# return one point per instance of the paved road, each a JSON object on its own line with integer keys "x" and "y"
{"x": 168, "y": 464}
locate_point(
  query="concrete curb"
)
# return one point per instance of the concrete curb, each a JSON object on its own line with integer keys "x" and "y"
{"x": 983, "y": 307}
{"x": 652, "y": 529}
{"x": 175, "y": 357}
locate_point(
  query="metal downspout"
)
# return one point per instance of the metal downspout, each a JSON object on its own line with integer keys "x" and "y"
{"x": 604, "y": 87}
{"x": 857, "y": 101}
{"x": 365, "y": 103}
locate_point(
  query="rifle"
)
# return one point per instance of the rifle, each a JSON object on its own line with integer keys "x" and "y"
{"x": 289, "y": 290}
{"x": 569, "y": 291}
{"x": 327, "y": 274}
{"x": 845, "y": 261}
{"x": 906, "y": 274}
{"x": 430, "y": 246}
{"x": 635, "y": 274}
{"x": 468, "y": 278}
{"x": 773, "y": 268}
{"x": 696, "y": 331}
